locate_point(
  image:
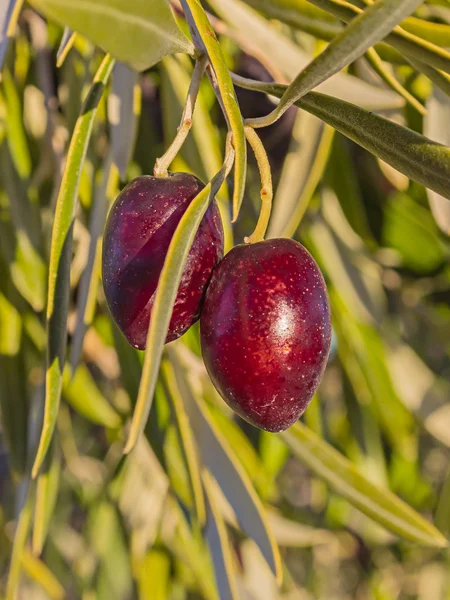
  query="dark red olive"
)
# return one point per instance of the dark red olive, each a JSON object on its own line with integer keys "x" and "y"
{"x": 138, "y": 232}
{"x": 266, "y": 331}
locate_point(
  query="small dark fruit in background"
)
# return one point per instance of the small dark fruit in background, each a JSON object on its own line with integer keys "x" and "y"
{"x": 138, "y": 232}
{"x": 266, "y": 331}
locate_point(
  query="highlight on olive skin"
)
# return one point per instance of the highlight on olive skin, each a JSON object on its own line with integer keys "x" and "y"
{"x": 138, "y": 233}
{"x": 266, "y": 331}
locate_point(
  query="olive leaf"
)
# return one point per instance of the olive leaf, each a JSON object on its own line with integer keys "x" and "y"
{"x": 363, "y": 32}
{"x": 288, "y": 58}
{"x": 61, "y": 255}
{"x": 378, "y": 503}
{"x": 415, "y": 155}
{"x": 137, "y": 33}
{"x": 206, "y": 39}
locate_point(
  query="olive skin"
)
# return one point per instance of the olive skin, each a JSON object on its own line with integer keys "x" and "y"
{"x": 266, "y": 331}
{"x": 138, "y": 232}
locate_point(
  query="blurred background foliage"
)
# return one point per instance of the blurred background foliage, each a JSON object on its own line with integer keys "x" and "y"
{"x": 206, "y": 505}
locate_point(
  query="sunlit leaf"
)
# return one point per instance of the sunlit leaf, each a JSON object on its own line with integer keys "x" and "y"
{"x": 302, "y": 170}
{"x": 220, "y": 460}
{"x": 221, "y": 78}
{"x": 61, "y": 254}
{"x": 378, "y": 503}
{"x": 403, "y": 41}
{"x": 47, "y": 487}
{"x": 136, "y": 33}
{"x": 81, "y": 392}
{"x": 364, "y": 31}
{"x": 67, "y": 41}
{"x": 290, "y": 58}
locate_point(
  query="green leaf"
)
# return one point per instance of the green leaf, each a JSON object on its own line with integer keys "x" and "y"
{"x": 302, "y": 170}
{"x": 61, "y": 254}
{"x": 415, "y": 155}
{"x": 219, "y": 543}
{"x": 65, "y": 45}
{"x": 18, "y": 549}
{"x": 206, "y": 38}
{"x": 90, "y": 277}
{"x": 438, "y": 106}
{"x": 288, "y": 57}
{"x": 83, "y": 395}
{"x": 15, "y": 131}
{"x": 39, "y": 572}
{"x": 407, "y": 43}
{"x": 364, "y": 31}
{"x": 47, "y": 487}
{"x": 201, "y": 151}
{"x": 165, "y": 296}
{"x": 409, "y": 229}
{"x": 387, "y": 76}
{"x": 378, "y": 503}
{"x": 187, "y": 442}
{"x": 153, "y": 575}
{"x": 137, "y": 33}
{"x": 220, "y": 459}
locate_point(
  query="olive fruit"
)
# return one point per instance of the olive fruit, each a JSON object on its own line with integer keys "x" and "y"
{"x": 138, "y": 232}
{"x": 266, "y": 331}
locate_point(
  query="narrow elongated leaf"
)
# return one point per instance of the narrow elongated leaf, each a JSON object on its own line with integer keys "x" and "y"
{"x": 206, "y": 38}
{"x": 201, "y": 151}
{"x": 9, "y": 13}
{"x": 223, "y": 464}
{"x": 187, "y": 441}
{"x": 123, "y": 111}
{"x": 15, "y": 131}
{"x": 65, "y": 45}
{"x": 377, "y": 65}
{"x": 47, "y": 487}
{"x": 18, "y": 549}
{"x": 165, "y": 296}
{"x": 378, "y": 503}
{"x": 60, "y": 257}
{"x": 219, "y": 544}
{"x": 87, "y": 292}
{"x": 364, "y": 31}
{"x": 41, "y": 574}
{"x": 290, "y": 58}
{"x": 83, "y": 395}
{"x": 438, "y": 106}
{"x": 415, "y": 155}
{"x": 302, "y": 170}
{"x": 144, "y": 32}
{"x": 400, "y": 39}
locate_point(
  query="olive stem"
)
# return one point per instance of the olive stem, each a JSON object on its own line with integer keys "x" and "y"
{"x": 266, "y": 185}
{"x": 162, "y": 164}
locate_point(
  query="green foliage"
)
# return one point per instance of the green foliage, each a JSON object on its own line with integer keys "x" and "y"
{"x": 202, "y": 504}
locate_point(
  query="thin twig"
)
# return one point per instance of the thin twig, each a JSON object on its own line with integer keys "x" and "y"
{"x": 266, "y": 186}
{"x": 162, "y": 164}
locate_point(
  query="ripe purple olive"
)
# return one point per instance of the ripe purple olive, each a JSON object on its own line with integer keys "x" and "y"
{"x": 138, "y": 232}
{"x": 266, "y": 331}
